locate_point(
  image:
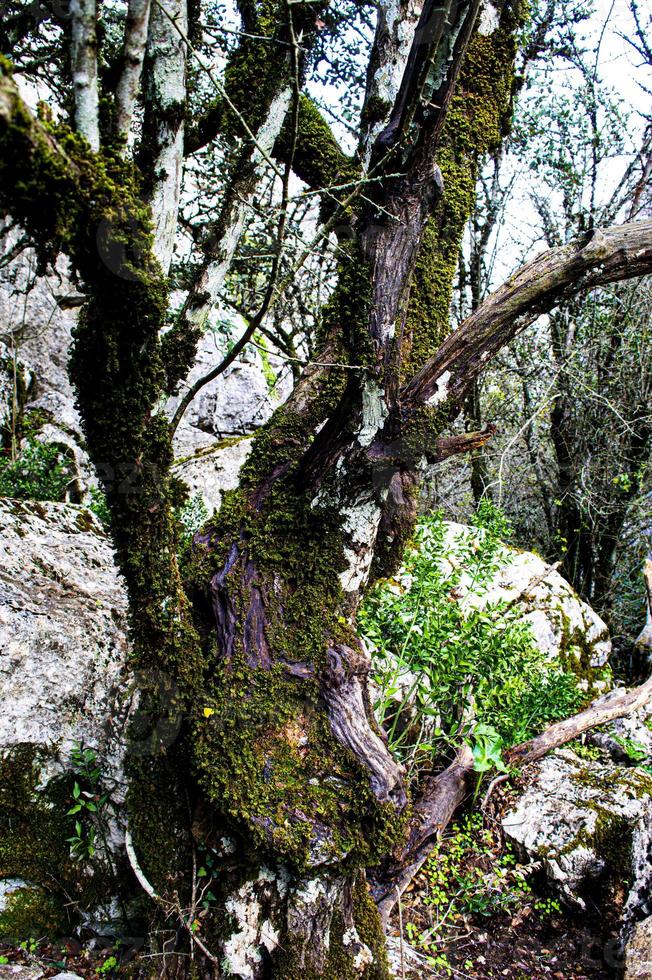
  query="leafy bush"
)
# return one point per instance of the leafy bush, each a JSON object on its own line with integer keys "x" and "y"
{"x": 39, "y": 472}
{"x": 192, "y": 516}
{"x": 434, "y": 664}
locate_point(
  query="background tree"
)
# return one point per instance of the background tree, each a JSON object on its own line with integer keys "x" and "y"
{"x": 568, "y": 480}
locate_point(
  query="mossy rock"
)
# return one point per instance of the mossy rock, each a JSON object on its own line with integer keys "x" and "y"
{"x": 30, "y": 913}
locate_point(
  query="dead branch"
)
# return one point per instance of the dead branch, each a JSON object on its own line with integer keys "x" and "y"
{"x": 442, "y": 794}
{"x": 610, "y": 255}
{"x": 447, "y": 446}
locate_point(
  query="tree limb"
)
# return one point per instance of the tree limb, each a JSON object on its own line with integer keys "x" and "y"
{"x": 83, "y": 56}
{"x": 447, "y": 446}
{"x": 161, "y": 154}
{"x": 134, "y": 51}
{"x": 613, "y": 254}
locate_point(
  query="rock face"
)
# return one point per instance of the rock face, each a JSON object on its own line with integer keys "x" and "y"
{"x": 36, "y": 331}
{"x": 211, "y": 471}
{"x": 638, "y": 952}
{"x": 586, "y": 822}
{"x": 564, "y": 626}
{"x": 62, "y": 629}
{"x": 236, "y": 402}
{"x": 627, "y": 740}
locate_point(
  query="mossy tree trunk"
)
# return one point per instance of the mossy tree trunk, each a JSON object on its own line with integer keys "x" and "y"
{"x": 255, "y": 744}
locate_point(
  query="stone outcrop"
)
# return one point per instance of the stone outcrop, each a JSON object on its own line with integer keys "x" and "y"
{"x": 63, "y": 641}
{"x": 587, "y": 822}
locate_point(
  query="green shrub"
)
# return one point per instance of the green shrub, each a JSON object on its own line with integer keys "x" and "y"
{"x": 191, "y": 516}
{"x": 39, "y": 472}
{"x": 432, "y": 662}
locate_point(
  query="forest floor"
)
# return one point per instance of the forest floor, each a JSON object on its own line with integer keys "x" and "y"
{"x": 473, "y": 913}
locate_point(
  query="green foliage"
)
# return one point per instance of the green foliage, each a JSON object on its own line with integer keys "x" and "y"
{"x": 39, "y": 472}
{"x": 108, "y": 967}
{"x": 468, "y": 875}
{"x": 191, "y": 516}
{"x": 90, "y": 805}
{"x": 434, "y": 656}
{"x": 99, "y": 506}
{"x": 636, "y": 752}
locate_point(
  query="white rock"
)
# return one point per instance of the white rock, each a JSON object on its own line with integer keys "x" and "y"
{"x": 19, "y": 972}
{"x": 638, "y": 952}
{"x": 627, "y": 740}
{"x": 234, "y": 404}
{"x": 211, "y": 471}
{"x": 62, "y": 632}
{"x": 583, "y": 819}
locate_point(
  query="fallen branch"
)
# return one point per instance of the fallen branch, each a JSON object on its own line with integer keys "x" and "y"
{"x": 441, "y": 795}
{"x": 614, "y": 705}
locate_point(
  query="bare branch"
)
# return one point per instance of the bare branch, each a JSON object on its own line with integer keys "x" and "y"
{"x": 83, "y": 55}
{"x": 134, "y": 52}
{"x": 616, "y": 704}
{"x": 447, "y": 446}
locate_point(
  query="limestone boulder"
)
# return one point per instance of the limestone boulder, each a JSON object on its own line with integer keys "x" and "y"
{"x": 564, "y": 627}
{"x": 587, "y": 822}
{"x": 63, "y": 643}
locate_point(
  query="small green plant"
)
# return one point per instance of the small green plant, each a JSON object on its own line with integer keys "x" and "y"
{"x": 99, "y": 506}
{"x": 89, "y": 803}
{"x": 487, "y": 752}
{"x": 110, "y": 965}
{"x": 436, "y": 659}
{"x": 636, "y": 752}
{"x": 468, "y": 875}
{"x": 584, "y": 751}
{"x": 547, "y": 908}
{"x": 39, "y": 472}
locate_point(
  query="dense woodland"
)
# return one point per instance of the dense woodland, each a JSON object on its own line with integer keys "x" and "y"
{"x": 431, "y": 223}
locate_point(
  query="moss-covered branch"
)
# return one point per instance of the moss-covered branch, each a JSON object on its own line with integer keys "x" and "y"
{"x": 477, "y": 122}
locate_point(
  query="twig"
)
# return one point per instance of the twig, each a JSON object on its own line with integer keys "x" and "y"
{"x": 400, "y": 932}
{"x": 503, "y": 777}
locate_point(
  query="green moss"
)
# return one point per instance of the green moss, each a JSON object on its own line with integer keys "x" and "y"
{"x": 33, "y": 832}
{"x": 575, "y": 655}
{"x": 318, "y": 158}
{"x": 476, "y": 124}
{"x": 32, "y": 913}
